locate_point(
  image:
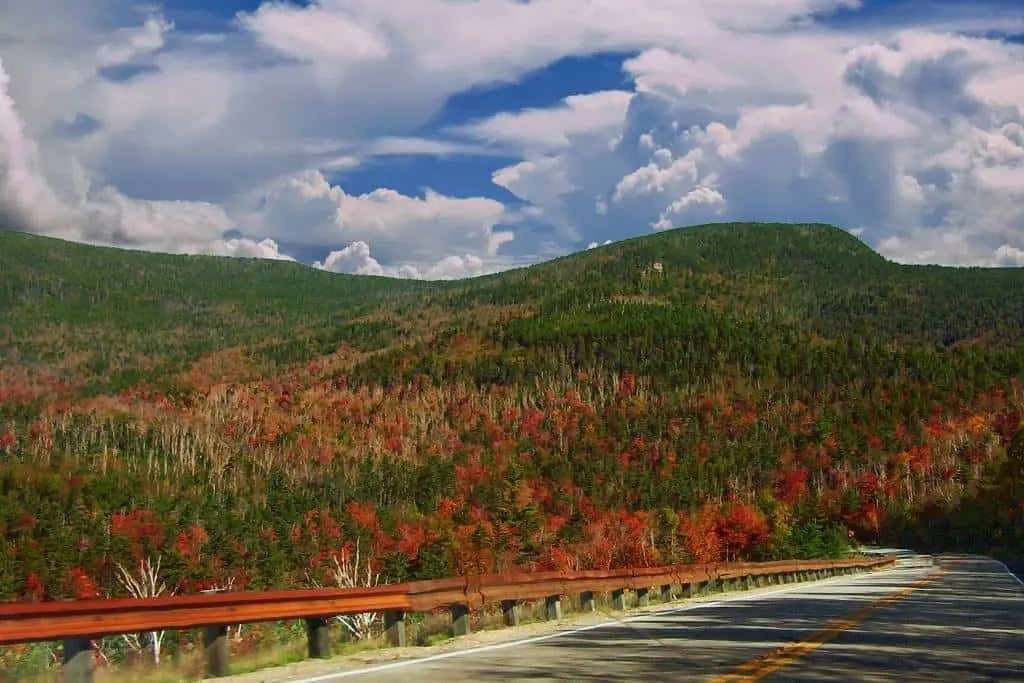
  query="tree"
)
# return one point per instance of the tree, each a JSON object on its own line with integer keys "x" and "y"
{"x": 144, "y": 583}
{"x": 347, "y": 572}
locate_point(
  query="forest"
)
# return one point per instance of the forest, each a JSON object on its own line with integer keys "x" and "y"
{"x": 717, "y": 392}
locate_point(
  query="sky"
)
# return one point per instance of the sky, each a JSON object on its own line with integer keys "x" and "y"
{"x": 451, "y": 138}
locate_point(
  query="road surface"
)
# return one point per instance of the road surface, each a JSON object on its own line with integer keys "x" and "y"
{"x": 948, "y": 618}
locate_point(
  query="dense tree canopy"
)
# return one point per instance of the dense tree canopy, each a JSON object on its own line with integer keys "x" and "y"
{"x": 717, "y": 392}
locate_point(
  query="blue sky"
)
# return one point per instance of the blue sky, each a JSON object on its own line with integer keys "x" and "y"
{"x": 448, "y": 138}
{"x": 544, "y": 87}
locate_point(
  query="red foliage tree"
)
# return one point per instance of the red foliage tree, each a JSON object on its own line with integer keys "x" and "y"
{"x": 141, "y": 528}
{"x": 80, "y": 584}
{"x": 35, "y": 589}
{"x": 741, "y": 527}
{"x": 700, "y": 534}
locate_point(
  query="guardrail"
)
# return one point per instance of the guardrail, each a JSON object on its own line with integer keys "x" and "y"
{"x": 77, "y": 623}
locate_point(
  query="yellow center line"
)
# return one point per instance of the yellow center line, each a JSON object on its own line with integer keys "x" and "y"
{"x": 770, "y": 662}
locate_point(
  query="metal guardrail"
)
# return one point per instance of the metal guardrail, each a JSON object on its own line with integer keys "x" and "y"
{"x": 79, "y": 622}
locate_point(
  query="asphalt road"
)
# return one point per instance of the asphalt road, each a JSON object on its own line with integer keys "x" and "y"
{"x": 948, "y": 618}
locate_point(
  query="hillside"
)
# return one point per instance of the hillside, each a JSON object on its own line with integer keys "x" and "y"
{"x": 710, "y": 392}
{"x": 106, "y": 319}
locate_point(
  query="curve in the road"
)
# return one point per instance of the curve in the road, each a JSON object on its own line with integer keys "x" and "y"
{"x": 769, "y": 663}
{"x": 963, "y": 624}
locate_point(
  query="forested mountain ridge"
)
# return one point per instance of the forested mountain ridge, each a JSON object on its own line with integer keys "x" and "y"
{"x": 714, "y": 392}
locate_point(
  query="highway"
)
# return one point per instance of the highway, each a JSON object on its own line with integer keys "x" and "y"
{"x": 947, "y": 618}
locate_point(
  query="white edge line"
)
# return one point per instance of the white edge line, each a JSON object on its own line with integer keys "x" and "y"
{"x": 558, "y": 634}
{"x": 1001, "y": 564}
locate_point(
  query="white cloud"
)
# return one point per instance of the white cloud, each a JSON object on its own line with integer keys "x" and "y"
{"x": 547, "y": 129}
{"x": 25, "y": 196}
{"x": 356, "y": 259}
{"x": 245, "y": 247}
{"x": 742, "y": 109}
{"x": 130, "y": 43}
{"x": 887, "y": 137}
{"x": 316, "y": 34}
{"x": 307, "y": 209}
{"x": 101, "y": 214}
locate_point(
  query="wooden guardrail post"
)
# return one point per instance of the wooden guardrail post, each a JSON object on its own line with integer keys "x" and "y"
{"x": 216, "y": 651}
{"x": 78, "y": 662}
{"x": 553, "y": 607}
{"x": 643, "y": 598}
{"x": 460, "y": 620}
{"x": 319, "y": 638}
{"x": 587, "y": 602}
{"x": 688, "y": 590}
{"x": 394, "y": 628}
{"x": 619, "y": 599}
{"x": 668, "y": 593}
{"x": 510, "y": 612}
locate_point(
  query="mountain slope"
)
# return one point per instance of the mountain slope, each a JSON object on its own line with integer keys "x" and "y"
{"x": 122, "y": 309}
{"x": 711, "y": 392}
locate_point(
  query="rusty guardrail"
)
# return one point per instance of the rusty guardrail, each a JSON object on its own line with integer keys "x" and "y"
{"x": 79, "y": 622}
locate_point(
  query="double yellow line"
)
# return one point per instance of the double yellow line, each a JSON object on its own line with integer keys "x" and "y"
{"x": 769, "y": 663}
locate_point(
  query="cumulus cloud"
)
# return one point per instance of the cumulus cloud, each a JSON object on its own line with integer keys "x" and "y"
{"x": 102, "y": 215}
{"x": 356, "y": 259}
{"x": 24, "y": 192}
{"x": 116, "y": 126}
{"x": 307, "y": 209}
{"x": 903, "y": 140}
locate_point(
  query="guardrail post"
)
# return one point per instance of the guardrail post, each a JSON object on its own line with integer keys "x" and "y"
{"x": 667, "y": 593}
{"x": 643, "y": 598}
{"x": 553, "y": 605}
{"x": 78, "y": 662}
{"x": 587, "y": 602}
{"x": 215, "y": 650}
{"x": 319, "y": 638}
{"x": 510, "y": 612}
{"x": 619, "y": 599}
{"x": 748, "y": 582}
{"x": 394, "y": 628}
{"x": 688, "y": 590}
{"x": 460, "y": 620}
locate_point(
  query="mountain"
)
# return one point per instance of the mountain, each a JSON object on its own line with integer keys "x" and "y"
{"x": 713, "y": 392}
